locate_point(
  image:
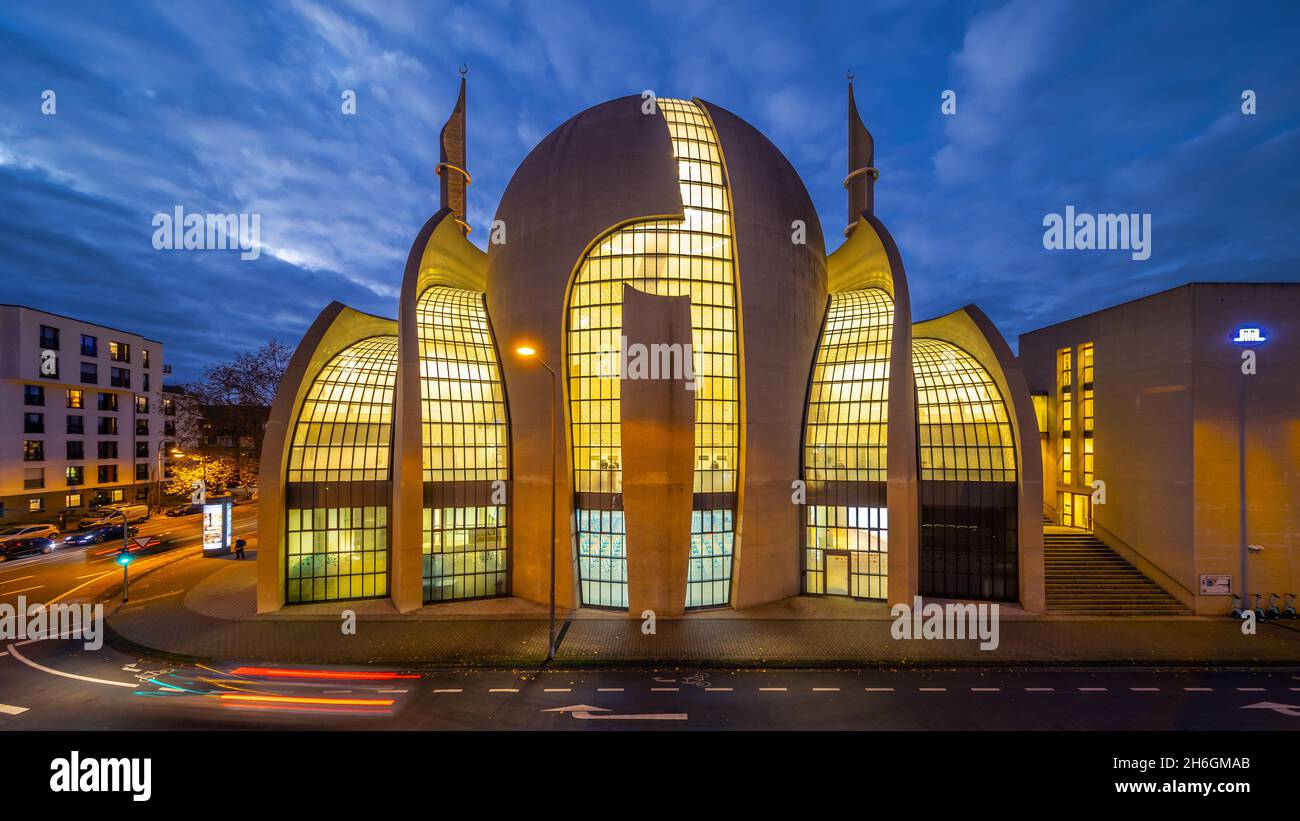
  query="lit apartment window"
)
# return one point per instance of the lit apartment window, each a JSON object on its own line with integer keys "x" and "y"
{"x": 72, "y": 500}
{"x": 34, "y": 450}
{"x": 119, "y": 377}
{"x": 144, "y": 357}
{"x": 75, "y": 398}
{"x": 76, "y": 475}
{"x": 76, "y": 425}
{"x": 36, "y": 504}
{"x": 169, "y": 406}
{"x": 49, "y": 338}
{"x": 108, "y": 401}
{"x": 76, "y": 449}
{"x": 119, "y": 351}
{"x": 89, "y": 373}
{"x": 108, "y": 449}
{"x": 33, "y": 423}
{"x": 33, "y": 478}
{"x": 34, "y": 395}
{"x": 89, "y": 345}
{"x": 142, "y": 404}
{"x": 1065, "y": 420}
{"x": 1085, "y": 377}
{"x": 691, "y": 257}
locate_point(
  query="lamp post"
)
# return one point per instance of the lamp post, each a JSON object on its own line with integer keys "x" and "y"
{"x": 529, "y": 352}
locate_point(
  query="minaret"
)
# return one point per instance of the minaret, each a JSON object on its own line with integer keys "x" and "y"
{"x": 862, "y": 171}
{"x": 454, "y": 177}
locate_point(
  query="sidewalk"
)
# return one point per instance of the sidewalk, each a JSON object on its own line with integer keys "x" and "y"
{"x": 204, "y": 609}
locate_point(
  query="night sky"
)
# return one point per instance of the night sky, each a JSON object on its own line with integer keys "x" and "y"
{"x": 235, "y": 107}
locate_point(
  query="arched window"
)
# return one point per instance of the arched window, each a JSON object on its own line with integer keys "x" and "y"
{"x": 338, "y": 488}
{"x": 967, "y": 459}
{"x": 462, "y": 404}
{"x": 692, "y": 257}
{"x": 846, "y": 519}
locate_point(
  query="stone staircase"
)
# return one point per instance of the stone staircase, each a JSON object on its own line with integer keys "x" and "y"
{"x": 1087, "y": 578}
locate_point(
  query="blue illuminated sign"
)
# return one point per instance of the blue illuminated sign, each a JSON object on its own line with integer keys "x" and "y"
{"x": 1248, "y": 337}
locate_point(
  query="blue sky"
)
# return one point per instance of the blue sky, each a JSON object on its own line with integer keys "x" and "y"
{"x": 230, "y": 107}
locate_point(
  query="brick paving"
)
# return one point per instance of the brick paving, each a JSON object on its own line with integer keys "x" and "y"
{"x": 198, "y": 608}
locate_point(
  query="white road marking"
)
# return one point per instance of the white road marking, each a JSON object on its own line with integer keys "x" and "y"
{"x": 1250, "y": 689}
{"x": 1092, "y": 689}
{"x": 10, "y": 710}
{"x": 1145, "y": 689}
{"x": 1040, "y": 689}
{"x": 664, "y": 689}
{"x": 18, "y": 579}
{"x": 558, "y": 690}
{"x": 609, "y": 689}
{"x": 933, "y": 689}
{"x": 587, "y": 711}
{"x": 448, "y": 691}
{"x": 503, "y": 690}
{"x": 772, "y": 690}
{"x": 67, "y": 593}
{"x": 826, "y": 689}
{"x": 24, "y": 590}
{"x": 986, "y": 689}
{"x": 1199, "y": 689}
{"x": 879, "y": 689}
{"x": 89, "y": 575}
{"x": 717, "y": 689}
{"x": 14, "y": 651}
{"x": 390, "y": 691}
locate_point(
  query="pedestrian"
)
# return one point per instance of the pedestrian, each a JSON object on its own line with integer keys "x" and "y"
{"x": 239, "y": 548}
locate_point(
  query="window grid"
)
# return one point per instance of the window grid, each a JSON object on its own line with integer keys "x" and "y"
{"x": 465, "y": 440}
{"x": 1065, "y": 400}
{"x": 344, "y": 430}
{"x": 1085, "y": 379}
{"x": 694, "y": 258}
{"x": 968, "y": 491}
{"x": 845, "y": 445}
{"x": 337, "y": 553}
{"x": 343, "y": 435}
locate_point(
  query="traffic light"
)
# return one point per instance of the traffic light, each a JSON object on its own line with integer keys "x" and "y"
{"x": 124, "y": 556}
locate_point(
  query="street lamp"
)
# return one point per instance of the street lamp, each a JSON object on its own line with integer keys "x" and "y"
{"x": 528, "y": 352}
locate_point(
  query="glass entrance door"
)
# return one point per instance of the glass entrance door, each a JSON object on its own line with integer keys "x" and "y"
{"x": 837, "y": 572}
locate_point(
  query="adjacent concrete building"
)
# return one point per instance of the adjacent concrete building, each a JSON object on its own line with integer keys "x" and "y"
{"x": 658, "y": 355}
{"x": 83, "y": 416}
{"x": 1172, "y": 433}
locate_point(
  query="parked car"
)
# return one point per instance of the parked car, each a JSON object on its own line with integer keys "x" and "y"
{"x": 97, "y": 535}
{"x": 183, "y": 510}
{"x": 28, "y": 532}
{"x": 113, "y": 514}
{"x": 14, "y": 548}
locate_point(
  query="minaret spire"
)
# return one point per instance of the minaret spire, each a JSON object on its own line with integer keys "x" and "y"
{"x": 451, "y": 160}
{"x": 861, "y": 180}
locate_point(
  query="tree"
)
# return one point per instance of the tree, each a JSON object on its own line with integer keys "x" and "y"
{"x": 219, "y": 469}
{"x": 232, "y": 400}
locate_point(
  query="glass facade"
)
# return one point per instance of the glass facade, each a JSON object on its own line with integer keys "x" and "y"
{"x": 844, "y": 456}
{"x": 466, "y": 459}
{"x": 337, "y": 494}
{"x": 968, "y": 492}
{"x": 693, "y": 257}
{"x": 1086, "y": 400}
{"x": 1065, "y": 419}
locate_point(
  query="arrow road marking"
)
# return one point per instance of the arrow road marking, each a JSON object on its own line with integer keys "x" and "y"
{"x": 1284, "y": 709}
{"x": 587, "y": 711}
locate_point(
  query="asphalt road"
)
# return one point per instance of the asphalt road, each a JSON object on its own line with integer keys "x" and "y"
{"x": 58, "y": 684}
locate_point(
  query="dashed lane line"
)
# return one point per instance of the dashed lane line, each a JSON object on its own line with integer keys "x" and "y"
{"x": 664, "y": 689}
{"x": 1199, "y": 689}
{"x": 23, "y": 590}
{"x": 825, "y": 689}
{"x": 609, "y": 689}
{"x": 1145, "y": 689}
{"x": 503, "y": 689}
{"x": 1092, "y": 689}
{"x": 879, "y": 689}
{"x": 558, "y": 690}
{"x": 11, "y": 710}
{"x": 1250, "y": 689}
{"x": 986, "y": 689}
{"x": 772, "y": 690}
{"x": 932, "y": 689}
{"x": 449, "y": 690}
{"x": 1040, "y": 689}
{"x": 717, "y": 689}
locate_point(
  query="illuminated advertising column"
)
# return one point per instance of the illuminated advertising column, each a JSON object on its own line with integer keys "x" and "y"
{"x": 217, "y": 525}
